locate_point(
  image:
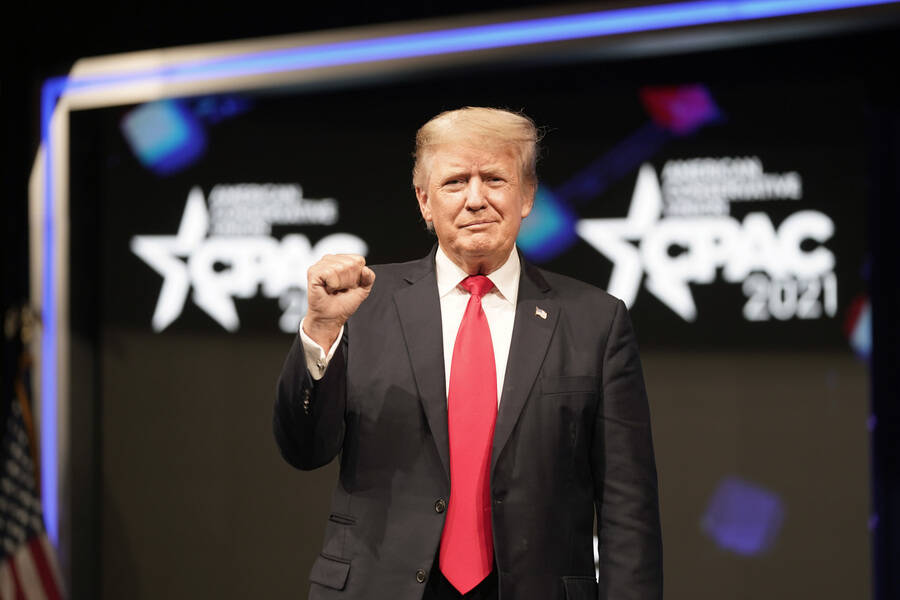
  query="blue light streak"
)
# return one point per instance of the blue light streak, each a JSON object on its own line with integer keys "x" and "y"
{"x": 480, "y": 37}
{"x": 50, "y": 92}
{"x": 464, "y": 39}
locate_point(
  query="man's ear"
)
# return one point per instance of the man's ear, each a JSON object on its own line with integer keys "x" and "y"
{"x": 528, "y": 204}
{"x": 424, "y": 205}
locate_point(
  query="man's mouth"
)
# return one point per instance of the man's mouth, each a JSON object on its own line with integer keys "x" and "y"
{"x": 477, "y": 224}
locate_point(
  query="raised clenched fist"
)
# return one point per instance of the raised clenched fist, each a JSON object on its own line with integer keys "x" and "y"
{"x": 336, "y": 286}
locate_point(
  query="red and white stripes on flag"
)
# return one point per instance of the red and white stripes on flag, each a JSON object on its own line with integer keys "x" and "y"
{"x": 28, "y": 567}
{"x": 31, "y": 572}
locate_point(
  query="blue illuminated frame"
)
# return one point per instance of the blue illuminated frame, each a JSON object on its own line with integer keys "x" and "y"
{"x": 50, "y": 93}
{"x": 360, "y": 51}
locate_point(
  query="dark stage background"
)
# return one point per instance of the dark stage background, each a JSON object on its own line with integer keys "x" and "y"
{"x": 759, "y": 404}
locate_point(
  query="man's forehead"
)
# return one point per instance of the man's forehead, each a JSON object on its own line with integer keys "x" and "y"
{"x": 467, "y": 156}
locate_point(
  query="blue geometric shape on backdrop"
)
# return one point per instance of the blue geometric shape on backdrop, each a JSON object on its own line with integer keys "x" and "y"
{"x": 861, "y": 331}
{"x": 550, "y": 228}
{"x": 743, "y": 517}
{"x": 164, "y": 136}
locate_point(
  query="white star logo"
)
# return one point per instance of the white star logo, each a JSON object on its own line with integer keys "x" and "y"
{"x": 162, "y": 251}
{"x": 221, "y": 268}
{"x": 615, "y": 238}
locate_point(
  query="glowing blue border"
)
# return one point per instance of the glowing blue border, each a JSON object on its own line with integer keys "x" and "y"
{"x": 50, "y": 93}
{"x": 480, "y": 37}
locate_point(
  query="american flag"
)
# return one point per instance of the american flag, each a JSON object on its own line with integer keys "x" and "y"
{"x": 28, "y": 568}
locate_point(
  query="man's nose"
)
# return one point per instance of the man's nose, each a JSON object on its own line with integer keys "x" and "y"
{"x": 476, "y": 198}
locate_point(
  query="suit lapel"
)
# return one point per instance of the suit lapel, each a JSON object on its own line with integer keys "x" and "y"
{"x": 537, "y": 313}
{"x": 420, "y": 317}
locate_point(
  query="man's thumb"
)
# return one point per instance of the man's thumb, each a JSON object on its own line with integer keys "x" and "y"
{"x": 366, "y": 277}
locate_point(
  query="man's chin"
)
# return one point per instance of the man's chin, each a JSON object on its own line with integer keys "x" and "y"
{"x": 491, "y": 255}
{"x": 479, "y": 248}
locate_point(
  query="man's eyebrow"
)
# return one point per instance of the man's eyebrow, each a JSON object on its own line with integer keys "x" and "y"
{"x": 496, "y": 169}
{"x": 453, "y": 173}
{"x": 455, "y": 169}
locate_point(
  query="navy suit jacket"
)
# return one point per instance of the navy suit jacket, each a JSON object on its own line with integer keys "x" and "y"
{"x": 572, "y": 442}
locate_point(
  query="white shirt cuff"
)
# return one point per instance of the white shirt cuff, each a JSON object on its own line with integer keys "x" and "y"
{"x": 316, "y": 358}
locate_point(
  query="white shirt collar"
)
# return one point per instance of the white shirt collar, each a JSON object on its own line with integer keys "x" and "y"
{"x": 505, "y": 279}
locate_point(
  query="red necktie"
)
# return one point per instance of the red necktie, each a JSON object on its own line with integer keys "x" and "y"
{"x": 467, "y": 545}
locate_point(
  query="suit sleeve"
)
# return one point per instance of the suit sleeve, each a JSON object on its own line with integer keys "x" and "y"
{"x": 308, "y": 418}
{"x": 630, "y": 544}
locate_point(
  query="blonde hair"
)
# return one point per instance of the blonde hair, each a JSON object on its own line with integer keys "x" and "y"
{"x": 481, "y": 126}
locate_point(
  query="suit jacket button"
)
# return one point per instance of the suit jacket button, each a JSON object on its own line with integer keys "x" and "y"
{"x": 420, "y": 576}
{"x": 440, "y": 505}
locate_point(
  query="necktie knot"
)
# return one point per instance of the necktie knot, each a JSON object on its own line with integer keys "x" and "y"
{"x": 477, "y": 285}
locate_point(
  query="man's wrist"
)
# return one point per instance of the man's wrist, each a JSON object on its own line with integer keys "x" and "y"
{"x": 317, "y": 356}
{"x": 324, "y": 332}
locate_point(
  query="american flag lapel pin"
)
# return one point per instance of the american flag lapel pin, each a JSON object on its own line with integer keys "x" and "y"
{"x": 540, "y": 312}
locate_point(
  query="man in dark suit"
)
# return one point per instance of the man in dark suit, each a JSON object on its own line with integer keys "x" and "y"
{"x": 485, "y": 411}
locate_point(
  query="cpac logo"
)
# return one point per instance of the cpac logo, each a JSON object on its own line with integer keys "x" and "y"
{"x": 643, "y": 242}
{"x": 223, "y": 267}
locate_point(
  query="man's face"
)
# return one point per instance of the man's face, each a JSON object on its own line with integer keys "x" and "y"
{"x": 476, "y": 199}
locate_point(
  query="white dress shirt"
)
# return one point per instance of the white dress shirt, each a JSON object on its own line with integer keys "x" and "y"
{"x": 499, "y": 307}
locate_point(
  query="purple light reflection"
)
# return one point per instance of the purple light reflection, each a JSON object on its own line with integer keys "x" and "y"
{"x": 743, "y": 517}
